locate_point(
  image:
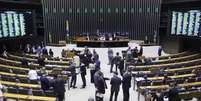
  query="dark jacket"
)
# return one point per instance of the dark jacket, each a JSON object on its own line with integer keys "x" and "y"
{"x": 126, "y": 82}
{"x": 41, "y": 61}
{"x": 44, "y": 83}
{"x": 100, "y": 83}
{"x": 121, "y": 65}
{"x": 160, "y": 51}
{"x": 117, "y": 60}
{"x": 24, "y": 62}
{"x": 115, "y": 83}
{"x": 97, "y": 65}
{"x": 59, "y": 86}
{"x": 173, "y": 95}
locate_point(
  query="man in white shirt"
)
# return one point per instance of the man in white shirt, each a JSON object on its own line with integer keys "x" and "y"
{"x": 33, "y": 76}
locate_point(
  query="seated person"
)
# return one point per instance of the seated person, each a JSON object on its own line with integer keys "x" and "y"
{"x": 24, "y": 62}
{"x": 41, "y": 61}
{"x": 32, "y": 74}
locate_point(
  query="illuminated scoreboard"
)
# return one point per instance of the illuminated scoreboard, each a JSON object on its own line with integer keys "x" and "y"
{"x": 186, "y": 23}
{"x": 15, "y": 24}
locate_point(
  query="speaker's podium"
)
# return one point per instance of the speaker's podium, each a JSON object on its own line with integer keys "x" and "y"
{"x": 60, "y": 44}
{"x": 95, "y": 41}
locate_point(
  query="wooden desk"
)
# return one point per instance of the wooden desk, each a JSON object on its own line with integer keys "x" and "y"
{"x": 15, "y": 96}
{"x": 41, "y": 98}
{"x": 171, "y": 55}
{"x": 183, "y": 68}
{"x": 28, "y": 85}
{"x": 54, "y": 58}
{"x": 15, "y": 67}
{"x": 35, "y": 60}
{"x": 176, "y": 59}
{"x": 14, "y": 75}
{"x": 20, "y": 84}
{"x": 28, "y": 97}
{"x": 169, "y": 70}
{"x": 173, "y": 77}
{"x": 167, "y": 86}
{"x": 82, "y": 42}
{"x": 165, "y": 65}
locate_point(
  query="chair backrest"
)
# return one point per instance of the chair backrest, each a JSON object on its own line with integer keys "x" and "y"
{"x": 12, "y": 90}
{"x": 12, "y": 79}
{"x": 50, "y": 93}
{"x": 37, "y": 93}
{"x": 33, "y": 81}
{"x": 191, "y": 79}
{"x": 23, "y": 91}
{"x": 158, "y": 82}
{"x": 4, "y": 78}
{"x": 24, "y": 80}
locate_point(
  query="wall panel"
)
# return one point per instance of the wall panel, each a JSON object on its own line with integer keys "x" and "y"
{"x": 137, "y": 17}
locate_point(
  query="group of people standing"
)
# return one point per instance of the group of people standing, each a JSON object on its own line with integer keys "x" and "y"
{"x": 87, "y": 59}
{"x": 80, "y": 63}
{"x": 116, "y": 81}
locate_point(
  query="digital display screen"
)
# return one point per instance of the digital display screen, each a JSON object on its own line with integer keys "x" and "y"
{"x": 186, "y": 23}
{"x": 15, "y": 23}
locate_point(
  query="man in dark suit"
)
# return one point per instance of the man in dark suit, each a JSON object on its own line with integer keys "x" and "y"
{"x": 59, "y": 88}
{"x": 117, "y": 60}
{"x": 24, "y": 62}
{"x": 126, "y": 84}
{"x": 100, "y": 85}
{"x": 41, "y": 61}
{"x": 115, "y": 85}
{"x": 173, "y": 94}
{"x": 121, "y": 67}
{"x": 83, "y": 74}
{"x": 44, "y": 83}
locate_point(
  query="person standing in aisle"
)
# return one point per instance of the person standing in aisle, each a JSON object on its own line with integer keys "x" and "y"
{"x": 129, "y": 54}
{"x": 100, "y": 85}
{"x": 97, "y": 64}
{"x": 121, "y": 67}
{"x": 141, "y": 51}
{"x": 160, "y": 51}
{"x": 59, "y": 88}
{"x": 126, "y": 84}
{"x": 83, "y": 74}
{"x": 51, "y": 53}
{"x": 92, "y": 71}
{"x": 115, "y": 85}
{"x": 110, "y": 55}
{"x": 73, "y": 74}
{"x": 117, "y": 60}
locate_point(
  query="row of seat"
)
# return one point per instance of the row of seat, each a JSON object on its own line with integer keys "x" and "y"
{"x": 34, "y": 56}
{"x": 15, "y": 79}
{"x": 18, "y": 63}
{"x": 167, "y": 65}
{"x": 51, "y": 62}
{"x": 177, "y": 55}
{"x": 183, "y": 72}
{"x": 28, "y": 97}
{"x": 170, "y": 60}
